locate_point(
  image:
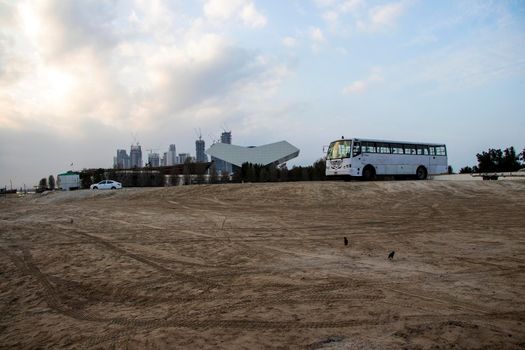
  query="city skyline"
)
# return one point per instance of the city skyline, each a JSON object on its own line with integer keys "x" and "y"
{"x": 79, "y": 79}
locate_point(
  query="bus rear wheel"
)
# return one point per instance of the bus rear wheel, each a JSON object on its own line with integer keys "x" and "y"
{"x": 369, "y": 173}
{"x": 421, "y": 173}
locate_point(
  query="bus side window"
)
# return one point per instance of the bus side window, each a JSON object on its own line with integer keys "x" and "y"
{"x": 357, "y": 149}
{"x": 364, "y": 147}
{"x": 396, "y": 148}
{"x": 368, "y": 147}
{"x": 383, "y": 148}
{"x": 425, "y": 150}
{"x": 410, "y": 149}
{"x": 440, "y": 151}
{"x": 432, "y": 150}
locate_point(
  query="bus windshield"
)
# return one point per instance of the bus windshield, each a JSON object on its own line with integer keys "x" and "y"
{"x": 339, "y": 149}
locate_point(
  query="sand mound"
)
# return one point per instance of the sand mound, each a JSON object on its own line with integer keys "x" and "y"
{"x": 264, "y": 265}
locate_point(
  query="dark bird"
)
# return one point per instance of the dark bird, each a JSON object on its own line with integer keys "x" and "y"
{"x": 391, "y": 255}
{"x": 346, "y": 240}
{"x": 71, "y": 221}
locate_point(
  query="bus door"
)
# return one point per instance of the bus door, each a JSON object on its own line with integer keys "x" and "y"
{"x": 434, "y": 161}
{"x": 438, "y": 160}
{"x": 357, "y": 155}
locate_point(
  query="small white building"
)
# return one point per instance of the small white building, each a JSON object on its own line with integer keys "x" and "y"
{"x": 68, "y": 181}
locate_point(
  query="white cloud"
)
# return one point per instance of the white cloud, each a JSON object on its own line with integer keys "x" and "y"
{"x": 244, "y": 10}
{"x": 251, "y": 17}
{"x": 360, "y": 86}
{"x": 325, "y": 3}
{"x": 355, "y": 87}
{"x": 331, "y": 18}
{"x": 222, "y": 9}
{"x": 350, "y": 5}
{"x": 316, "y": 34}
{"x": 147, "y": 70}
{"x": 289, "y": 41}
{"x": 386, "y": 15}
{"x": 383, "y": 16}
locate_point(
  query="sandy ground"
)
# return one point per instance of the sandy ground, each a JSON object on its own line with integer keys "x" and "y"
{"x": 264, "y": 266}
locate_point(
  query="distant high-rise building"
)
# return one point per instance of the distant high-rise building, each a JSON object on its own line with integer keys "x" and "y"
{"x": 153, "y": 160}
{"x": 122, "y": 160}
{"x": 171, "y": 156}
{"x": 164, "y": 159}
{"x": 220, "y": 165}
{"x": 199, "y": 151}
{"x": 183, "y": 157}
{"x": 136, "y": 156}
{"x": 226, "y": 137}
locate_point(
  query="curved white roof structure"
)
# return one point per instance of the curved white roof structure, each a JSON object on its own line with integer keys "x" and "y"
{"x": 276, "y": 153}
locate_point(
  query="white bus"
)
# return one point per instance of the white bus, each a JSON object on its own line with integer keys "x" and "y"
{"x": 366, "y": 158}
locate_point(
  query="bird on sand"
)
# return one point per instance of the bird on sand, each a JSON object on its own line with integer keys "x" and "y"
{"x": 391, "y": 255}
{"x": 346, "y": 240}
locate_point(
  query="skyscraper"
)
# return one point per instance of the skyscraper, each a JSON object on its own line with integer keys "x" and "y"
{"x": 226, "y": 137}
{"x": 183, "y": 157}
{"x": 171, "y": 156}
{"x": 122, "y": 160}
{"x": 136, "y": 156}
{"x": 221, "y": 165}
{"x": 153, "y": 160}
{"x": 199, "y": 151}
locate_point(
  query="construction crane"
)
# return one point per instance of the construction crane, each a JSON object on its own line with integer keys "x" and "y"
{"x": 135, "y": 138}
{"x": 198, "y": 133}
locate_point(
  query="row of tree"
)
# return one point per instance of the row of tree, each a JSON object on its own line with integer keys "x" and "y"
{"x": 496, "y": 160}
{"x": 271, "y": 173}
{"x": 47, "y": 184}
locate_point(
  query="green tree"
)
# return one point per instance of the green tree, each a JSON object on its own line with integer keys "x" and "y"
{"x": 466, "y": 170}
{"x": 489, "y": 161}
{"x": 273, "y": 173}
{"x": 251, "y": 175}
{"x": 213, "y": 173}
{"x": 51, "y": 182}
{"x": 42, "y": 185}
{"x": 85, "y": 179}
{"x": 112, "y": 175}
{"x": 161, "y": 179}
{"x": 495, "y": 160}
{"x": 98, "y": 175}
{"x": 319, "y": 170}
{"x": 186, "y": 171}
{"x": 510, "y": 160}
{"x": 305, "y": 174}
{"x": 283, "y": 173}
{"x": 264, "y": 175}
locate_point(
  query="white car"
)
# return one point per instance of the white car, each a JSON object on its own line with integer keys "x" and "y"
{"x": 106, "y": 185}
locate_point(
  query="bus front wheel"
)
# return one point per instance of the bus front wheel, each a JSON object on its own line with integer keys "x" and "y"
{"x": 369, "y": 173}
{"x": 421, "y": 173}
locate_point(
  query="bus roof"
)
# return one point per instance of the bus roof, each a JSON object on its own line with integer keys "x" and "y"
{"x": 391, "y": 141}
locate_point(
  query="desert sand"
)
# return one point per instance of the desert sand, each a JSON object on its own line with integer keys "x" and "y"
{"x": 248, "y": 266}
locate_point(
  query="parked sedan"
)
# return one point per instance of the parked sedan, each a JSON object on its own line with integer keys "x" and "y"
{"x": 106, "y": 185}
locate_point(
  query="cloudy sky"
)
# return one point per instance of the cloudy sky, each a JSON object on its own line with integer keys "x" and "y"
{"x": 79, "y": 79}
